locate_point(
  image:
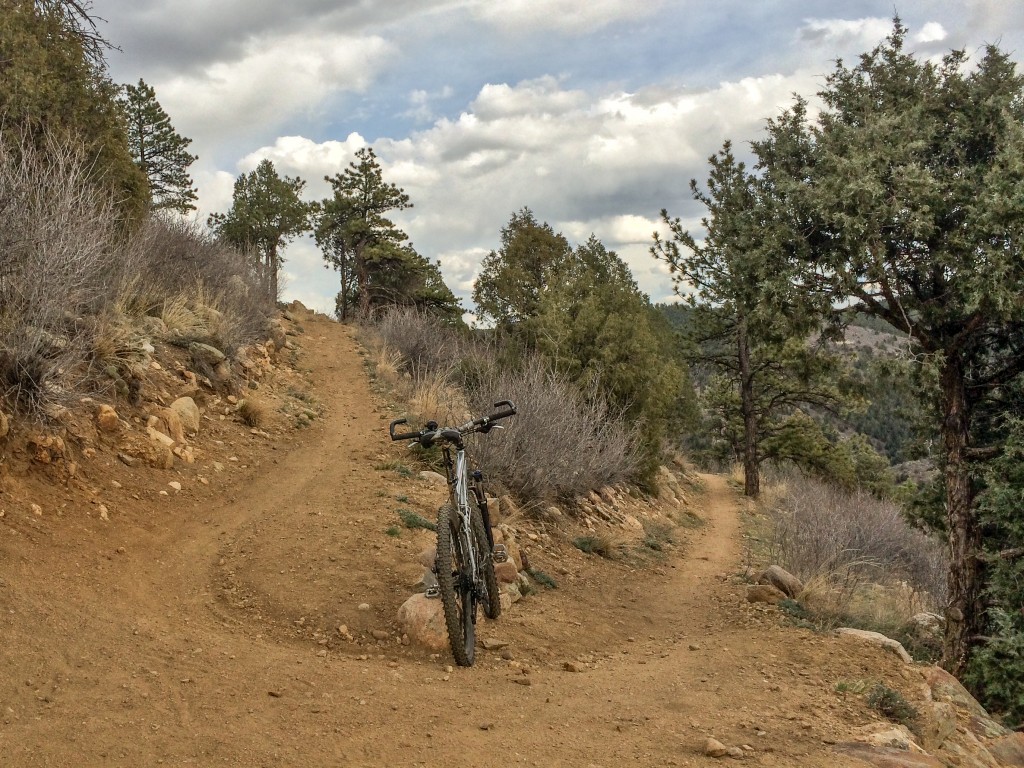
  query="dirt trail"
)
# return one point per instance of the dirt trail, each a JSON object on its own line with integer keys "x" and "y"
{"x": 201, "y": 628}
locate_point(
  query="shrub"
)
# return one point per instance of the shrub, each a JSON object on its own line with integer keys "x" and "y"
{"x": 253, "y": 413}
{"x": 57, "y": 241}
{"x": 891, "y": 704}
{"x": 563, "y": 443}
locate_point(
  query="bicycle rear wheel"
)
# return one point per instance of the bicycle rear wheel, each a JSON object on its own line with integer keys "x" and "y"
{"x": 456, "y": 586}
{"x": 492, "y": 595}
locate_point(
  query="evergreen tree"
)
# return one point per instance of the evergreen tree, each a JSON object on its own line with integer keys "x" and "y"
{"x": 513, "y": 279}
{"x": 267, "y": 211}
{"x": 907, "y": 199}
{"x": 357, "y": 238}
{"x": 159, "y": 151}
{"x": 54, "y": 87}
{"x": 748, "y": 321}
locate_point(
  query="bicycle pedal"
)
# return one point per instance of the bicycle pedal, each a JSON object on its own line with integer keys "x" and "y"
{"x": 432, "y": 592}
{"x": 500, "y": 554}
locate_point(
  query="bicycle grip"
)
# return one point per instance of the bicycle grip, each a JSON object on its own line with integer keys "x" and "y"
{"x": 510, "y": 410}
{"x": 406, "y": 436}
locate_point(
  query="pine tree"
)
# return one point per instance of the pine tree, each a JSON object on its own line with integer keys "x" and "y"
{"x": 267, "y": 211}
{"x": 376, "y": 264}
{"x": 158, "y": 150}
{"x": 749, "y": 323}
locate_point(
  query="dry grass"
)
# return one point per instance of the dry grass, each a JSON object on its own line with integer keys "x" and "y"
{"x": 860, "y": 560}
{"x": 252, "y": 412}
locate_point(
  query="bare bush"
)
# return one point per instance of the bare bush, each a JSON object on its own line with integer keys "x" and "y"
{"x": 825, "y": 534}
{"x": 563, "y": 443}
{"x": 203, "y": 289}
{"x": 57, "y": 242}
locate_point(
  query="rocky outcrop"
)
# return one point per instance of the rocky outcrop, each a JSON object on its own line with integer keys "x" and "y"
{"x": 781, "y": 579}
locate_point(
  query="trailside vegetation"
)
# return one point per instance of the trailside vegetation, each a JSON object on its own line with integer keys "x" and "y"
{"x": 906, "y": 195}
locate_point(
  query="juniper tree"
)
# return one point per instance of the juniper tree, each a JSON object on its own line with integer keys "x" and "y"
{"x": 907, "y": 200}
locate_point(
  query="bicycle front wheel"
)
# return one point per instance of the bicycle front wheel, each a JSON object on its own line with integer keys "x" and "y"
{"x": 492, "y": 594}
{"x": 455, "y": 581}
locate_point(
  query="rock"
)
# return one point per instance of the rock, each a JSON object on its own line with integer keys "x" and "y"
{"x": 364, "y": 606}
{"x": 170, "y": 424}
{"x": 159, "y": 438}
{"x": 492, "y": 644}
{"x": 104, "y": 515}
{"x": 427, "y": 557}
{"x": 5, "y": 425}
{"x": 573, "y": 666}
{"x": 765, "y": 593}
{"x": 513, "y": 593}
{"x": 782, "y": 580}
{"x": 887, "y": 757}
{"x": 506, "y": 572}
{"x": 205, "y": 355}
{"x": 422, "y": 619}
{"x": 1009, "y": 749}
{"x": 734, "y": 752}
{"x": 380, "y": 634}
{"x": 715, "y": 748}
{"x": 175, "y": 485}
{"x": 128, "y": 461}
{"x": 36, "y": 510}
{"x": 433, "y": 477}
{"x": 107, "y": 419}
{"x": 876, "y": 638}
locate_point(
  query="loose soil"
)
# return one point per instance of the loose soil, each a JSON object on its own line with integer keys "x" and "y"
{"x": 201, "y": 627}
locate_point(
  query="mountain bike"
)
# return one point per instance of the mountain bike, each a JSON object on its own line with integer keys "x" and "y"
{"x": 466, "y": 553}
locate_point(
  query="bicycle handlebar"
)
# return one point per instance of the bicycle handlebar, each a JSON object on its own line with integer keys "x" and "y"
{"x": 427, "y": 435}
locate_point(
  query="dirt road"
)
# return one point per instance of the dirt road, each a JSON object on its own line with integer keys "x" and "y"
{"x": 201, "y": 627}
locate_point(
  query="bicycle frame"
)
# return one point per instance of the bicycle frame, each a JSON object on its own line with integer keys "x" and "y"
{"x": 458, "y": 489}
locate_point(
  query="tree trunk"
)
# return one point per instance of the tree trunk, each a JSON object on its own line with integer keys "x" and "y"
{"x": 272, "y": 272}
{"x": 751, "y": 466}
{"x": 363, "y": 280}
{"x": 964, "y": 609}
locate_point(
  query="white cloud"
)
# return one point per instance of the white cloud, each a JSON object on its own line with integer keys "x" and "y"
{"x": 603, "y": 164}
{"x": 932, "y": 32}
{"x": 843, "y": 35}
{"x": 276, "y": 79}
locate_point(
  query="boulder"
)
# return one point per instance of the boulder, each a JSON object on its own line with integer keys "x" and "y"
{"x": 506, "y": 572}
{"x": 782, "y": 580}
{"x": 170, "y": 423}
{"x": 422, "y": 619}
{"x": 205, "y": 355}
{"x": 1009, "y": 749}
{"x": 765, "y": 593}
{"x": 433, "y": 478}
{"x": 876, "y": 638}
{"x": 188, "y": 413}
{"x": 107, "y": 419}
{"x": 888, "y": 757}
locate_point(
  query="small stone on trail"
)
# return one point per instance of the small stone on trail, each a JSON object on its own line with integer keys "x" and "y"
{"x": 175, "y": 485}
{"x": 37, "y": 510}
{"x": 573, "y": 666}
{"x": 522, "y": 680}
{"x": 491, "y": 644}
{"x": 734, "y": 752}
{"x": 364, "y": 606}
{"x": 715, "y": 748}
{"x": 694, "y": 647}
{"x": 103, "y": 513}
{"x": 380, "y": 634}
{"x": 486, "y": 726}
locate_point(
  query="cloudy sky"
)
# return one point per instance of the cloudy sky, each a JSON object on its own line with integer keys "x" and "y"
{"x": 593, "y": 113}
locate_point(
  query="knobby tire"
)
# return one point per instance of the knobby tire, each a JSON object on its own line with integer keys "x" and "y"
{"x": 492, "y": 598}
{"x": 457, "y": 596}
